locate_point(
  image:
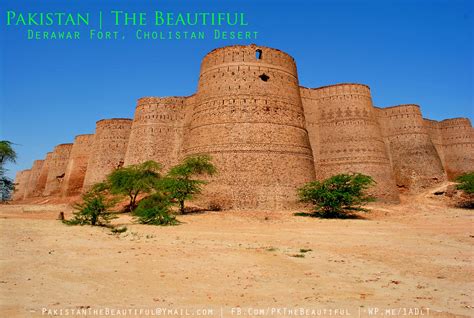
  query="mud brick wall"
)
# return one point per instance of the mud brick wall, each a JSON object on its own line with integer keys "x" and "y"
{"x": 267, "y": 136}
{"x": 458, "y": 142}
{"x": 347, "y": 136}
{"x": 108, "y": 149}
{"x": 30, "y": 190}
{"x": 77, "y": 165}
{"x": 57, "y": 169}
{"x": 21, "y": 182}
{"x": 248, "y": 116}
{"x": 157, "y": 131}
{"x": 415, "y": 161}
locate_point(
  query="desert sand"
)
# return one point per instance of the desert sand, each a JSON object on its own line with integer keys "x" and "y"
{"x": 413, "y": 258}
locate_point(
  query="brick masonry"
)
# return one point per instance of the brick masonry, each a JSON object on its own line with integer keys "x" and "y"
{"x": 267, "y": 136}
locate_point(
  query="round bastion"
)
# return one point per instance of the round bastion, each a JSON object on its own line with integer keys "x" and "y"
{"x": 248, "y": 116}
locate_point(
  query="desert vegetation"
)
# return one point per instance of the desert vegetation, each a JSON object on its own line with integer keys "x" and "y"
{"x": 159, "y": 194}
{"x": 465, "y": 184}
{"x": 7, "y": 154}
{"x": 338, "y": 196}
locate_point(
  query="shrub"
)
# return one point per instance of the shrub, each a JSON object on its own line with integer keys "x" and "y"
{"x": 94, "y": 208}
{"x": 338, "y": 195}
{"x": 155, "y": 209}
{"x": 466, "y": 183}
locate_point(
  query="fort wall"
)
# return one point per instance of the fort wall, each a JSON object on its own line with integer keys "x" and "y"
{"x": 77, "y": 165}
{"x": 57, "y": 169}
{"x": 43, "y": 176}
{"x": 458, "y": 141}
{"x": 248, "y": 116}
{"x": 433, "y": 128}
{"x": 414, "y": 158}
{"x": 157, "y": 131}
{"x": 267, "y": 136}
{"x": 108, "y": 149}
{"x": 21, "y": 182}
{"x": 344, "y": 128}
{"x": 33, "y": 179}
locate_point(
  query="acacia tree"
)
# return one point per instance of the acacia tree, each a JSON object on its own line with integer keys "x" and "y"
{"x": 134, "y": 180}
{"x": 95, "y": 207}
{"x": 338, "y": 195}
{"x": 179, "y": 181}
{"x": 7, "y": 154}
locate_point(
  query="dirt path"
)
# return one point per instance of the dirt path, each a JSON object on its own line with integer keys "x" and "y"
{"x": 418, "y": 255}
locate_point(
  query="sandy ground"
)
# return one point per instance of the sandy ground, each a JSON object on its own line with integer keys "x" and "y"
{"x": 406, "y": 260}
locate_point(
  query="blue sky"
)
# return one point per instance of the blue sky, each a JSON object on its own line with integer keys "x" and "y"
{"x": 406, "y": 51}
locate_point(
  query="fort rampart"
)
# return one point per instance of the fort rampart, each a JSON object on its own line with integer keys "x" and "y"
{"x": 267, "y": 136}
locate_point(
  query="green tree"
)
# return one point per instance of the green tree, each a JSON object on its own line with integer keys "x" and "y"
{"x": 155, "y": 209}
{"x": 134, "y": 180}
{"x": 466, "y": 182}
{"x": 179, "y": 182}
{"x": 94, "y": 208}
{"x": 338, "y": 195}
{"x": 7, "y": 154}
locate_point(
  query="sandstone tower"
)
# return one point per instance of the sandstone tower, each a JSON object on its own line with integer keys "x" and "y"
{"x": 267, "y": 136}
{"x": 346, "y": 136}
{"x": 414, "y": 158}
{"x": 248, "y": 116}
{"x": 77, "y": 165}
{"x": 57, "y": 169}
{"x": 108, "y": 149}
{"x": 157, "y": 131}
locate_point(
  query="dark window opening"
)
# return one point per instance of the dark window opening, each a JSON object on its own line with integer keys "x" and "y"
{"x": 258, "y": 54}
{"x": 264, "y": 77}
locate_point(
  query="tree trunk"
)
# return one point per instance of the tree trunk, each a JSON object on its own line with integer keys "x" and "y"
{"x": 181, "y": 206}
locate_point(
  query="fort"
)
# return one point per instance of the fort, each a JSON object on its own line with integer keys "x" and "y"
{"x": 267, "y": 135}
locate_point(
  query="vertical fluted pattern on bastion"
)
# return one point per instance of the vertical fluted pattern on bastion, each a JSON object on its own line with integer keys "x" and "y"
{"x": 157, "y": 131}
{"x": 415, "y": 160}
{"x": 21, "y": 182}
{"x": 248, "y": 116}
{"x": 33, "y": 179}
{"x": 346, "y": 136}
{"x": 77, "y": 165}
{"x": 108, "y": 149}
{"x": 57, "y": 169}
{"x": 458, "y": 140}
